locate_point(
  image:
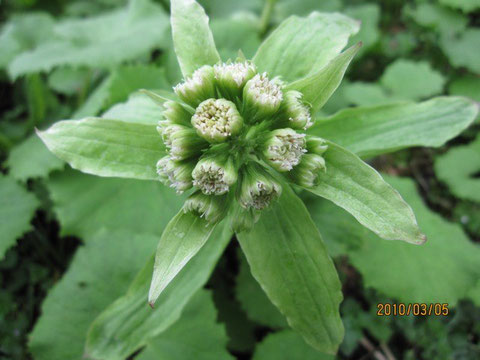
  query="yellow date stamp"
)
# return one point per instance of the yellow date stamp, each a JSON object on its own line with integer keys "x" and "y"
{"x": 415, "y": 309}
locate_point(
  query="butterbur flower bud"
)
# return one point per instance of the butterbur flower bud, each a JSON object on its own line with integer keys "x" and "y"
{"x": 181, "y": 142}
{"x": 217, "y": 119}
{"x": 307, "y": 173}
{"x": 176, "y": 174}
{"x": 316, "y": 145}
{"x": 296, "y": 111}
{"x": 262, "y": 97}
{"x": 211, "y": 208}
{"x": 175, "y": 113}
{"x": 243, "y": 219}
{"x": 198, "y": 87}
{"x": 214, "y": 174}
{"x": 258, "y": 189}
{"x": 231, "y": 78}
{"x": 283, "y": 149}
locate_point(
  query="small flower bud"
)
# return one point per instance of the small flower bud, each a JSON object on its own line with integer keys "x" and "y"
{"x": 217, "y": 119}
{"x": 262, "y": 97}
{"x": 214, "y": 174}
{"x": 212, "y": 208}
{"x": 176, "y": 174}
{"x": 316, "y": 145}
{"x": 181, "y": 142}
{"x": 258, "y": 188}
{"x": 296, "y": 111}
{"x": 283, "y": 149}
{"x": 175, "y": 113}
{"x": 243, "y": 219}
{"x": 231, "y": 78}
{"x": 307, "y": 172}
{"x": 199, "y": 87}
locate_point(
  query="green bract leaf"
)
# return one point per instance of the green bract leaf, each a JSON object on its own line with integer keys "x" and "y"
{"x": 106, "y": 147}
{"x": 17, "y": 207}
{"x": 119, "y": 85}
{"x": 183, "y": 237}
{"x": 100, "y": 272}
{"x": 192, "y": 38}
{"x": 458, "y": 167}
{"x": 31, "y": 159}
{"x": 358, "y": 188}
{"x": 289, "y": 260}
{"x": 129, "y": 323}
{"x": 287, "y": 345}
{"x": 254, "y": 301}
{"x": 84, "y": 203}
{"x": 303, "y": 46}
{"x": 318, "y": 87}
{"x": 196, "y": 335}
{"x": 101, "y": 41}
{"x": 444, "y": 270}
{"x": 369, "y": 131}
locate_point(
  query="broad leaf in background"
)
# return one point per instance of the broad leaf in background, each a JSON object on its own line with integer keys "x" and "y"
{"x": 467, "y": 85}
{"x": 119, "y": 85}
{"x": 240, "y": 32}
{"x": 376, "y": 130}
{"x": 364, "y": 93}
{"x": 444, "y": 269}
{"x": 139, "y": 108}
{"x": 464, "y": 5}
{"x": 253, "y": 299}
{"x": 17, "y": 207}
{"x": 303, "y": 46}
{"x": 288, "y": 258}
{"x": 84, "y": 203}
{"x": 106, "y": 147}
{"x": 436, "y": 17}
{"x": 100, "y": 272}
{"x": 69, "y": 80}
{"x": 192, "y": 37}
{"x": 129, "y": 323}
{"x": 181, "y": 240}
{"x": 409, "y": 80}
{"x": 196, "y": 335}
{"x": 223, "y": 8}
{"x": 24, "y": 32}
{"x": 286, "y": 8}
{"x": 461, "y": 49}
{"x": 287, "y": 345}
{"x": 101, "y": 41}
{"x": 458, "y": 169}
{"x": 369, "y": 34}
{"x": 31, "y": 159}
{"x": 319, "y": 86}
{"x": 358, "y": 188}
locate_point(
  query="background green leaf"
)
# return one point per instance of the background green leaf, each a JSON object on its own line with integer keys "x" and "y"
{"x": 17, "y": 207}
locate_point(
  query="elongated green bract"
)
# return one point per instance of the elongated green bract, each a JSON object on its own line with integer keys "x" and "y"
{"x": 192, "y": 38}
{"x": 106, "y": 147}
{"x": 288, "y": 258}
{"x": 183, "y": 237}
{"x": 358, "y": 188}
{"x": 318, "y": 87}
{"x": 370, "y": 131}
{"x": 302, "y": 46}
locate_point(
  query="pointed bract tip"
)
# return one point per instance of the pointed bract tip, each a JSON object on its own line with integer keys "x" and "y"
{"x": 151, "y": 304}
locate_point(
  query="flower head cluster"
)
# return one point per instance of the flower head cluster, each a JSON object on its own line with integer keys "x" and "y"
{"x": 236, "y": 136}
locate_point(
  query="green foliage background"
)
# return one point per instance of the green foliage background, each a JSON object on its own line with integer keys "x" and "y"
{"x": 72, "y": 244}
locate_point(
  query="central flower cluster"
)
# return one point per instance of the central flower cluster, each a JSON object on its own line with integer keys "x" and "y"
{"x": 235, "y": 134}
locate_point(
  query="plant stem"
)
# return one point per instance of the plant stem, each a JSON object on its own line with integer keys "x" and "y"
{"x": 266, "y": 15}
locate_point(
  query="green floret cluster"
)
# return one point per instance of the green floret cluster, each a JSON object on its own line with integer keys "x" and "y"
{"x": 235, "y": 136}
